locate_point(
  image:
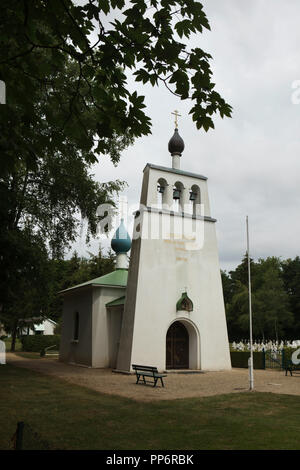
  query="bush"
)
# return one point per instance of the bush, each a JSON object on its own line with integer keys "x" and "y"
{"x": 288, "y": 353}
{"x": 240, "y": 359}
{"x": 37, "y": 343}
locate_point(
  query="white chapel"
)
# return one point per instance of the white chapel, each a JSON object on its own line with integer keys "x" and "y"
{"x": 166, "y": 308}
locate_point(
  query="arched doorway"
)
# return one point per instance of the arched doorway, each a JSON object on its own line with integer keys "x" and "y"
{"x": 177, "y": 347}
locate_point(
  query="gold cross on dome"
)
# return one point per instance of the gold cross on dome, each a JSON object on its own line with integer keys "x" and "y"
{"x": 176, "y": 114}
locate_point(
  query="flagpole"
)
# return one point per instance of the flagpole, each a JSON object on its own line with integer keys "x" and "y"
{"x": 250, "y": 312}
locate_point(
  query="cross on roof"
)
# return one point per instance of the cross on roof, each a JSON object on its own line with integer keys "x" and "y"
{"x": 123, "y": 207}
{"x": 176, "y": 114}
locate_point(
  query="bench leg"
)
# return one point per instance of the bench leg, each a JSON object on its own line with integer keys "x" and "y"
{"x": 162, "y": 382}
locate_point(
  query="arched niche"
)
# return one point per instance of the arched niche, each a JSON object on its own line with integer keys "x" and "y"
{"x": 195, "y": 199}
{"x": 161, "y": 192}
{"x": 182, "y": 345}
{"x": 178, "y": 196}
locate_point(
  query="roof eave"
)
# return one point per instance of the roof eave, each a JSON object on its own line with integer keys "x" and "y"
{"x": 88, "y": 286}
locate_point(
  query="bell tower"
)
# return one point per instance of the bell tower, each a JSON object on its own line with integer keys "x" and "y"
{"x": 174, "y": 314}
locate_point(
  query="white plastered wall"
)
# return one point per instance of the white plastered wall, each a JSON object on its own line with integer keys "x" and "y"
{"x": 99, "y": 329}
{"x": 160, "y": 271}
{"x": 106, "y": 326}
{"x": 71, "y": 351}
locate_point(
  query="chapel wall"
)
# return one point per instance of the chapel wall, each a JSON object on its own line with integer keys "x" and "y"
{"x": 71, "y": 350}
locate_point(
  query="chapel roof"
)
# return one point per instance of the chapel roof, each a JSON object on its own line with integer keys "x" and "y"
{"x": 117, "y": 278}
{"x": 175, "y": 170}
{"x": 116, "y": 302}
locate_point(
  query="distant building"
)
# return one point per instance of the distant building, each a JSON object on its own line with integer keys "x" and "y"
{"x": 46, "y": 327}
{"x": 2, "y": 330}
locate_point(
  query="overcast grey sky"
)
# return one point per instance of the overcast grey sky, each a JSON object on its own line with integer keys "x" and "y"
{"x": 252, "y": 161}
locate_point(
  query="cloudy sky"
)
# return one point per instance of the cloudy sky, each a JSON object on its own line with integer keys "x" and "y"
{"x": 252, "y": 161}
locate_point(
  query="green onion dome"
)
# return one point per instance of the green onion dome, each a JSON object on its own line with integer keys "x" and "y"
{"x": 121, "y": 241}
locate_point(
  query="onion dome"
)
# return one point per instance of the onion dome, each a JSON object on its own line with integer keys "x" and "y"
{"x": 121, "y": 241}
{"x": 176, "y": 144}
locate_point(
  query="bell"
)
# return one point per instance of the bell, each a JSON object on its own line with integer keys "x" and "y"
{"x": 193, "y": 196}
{"x": 176, "y": 194}
{"x": 160, "y": 189}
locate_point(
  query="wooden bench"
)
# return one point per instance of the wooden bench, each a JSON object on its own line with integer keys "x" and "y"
{"x": 291, "y": 367}
{"x": 149, "y": 372}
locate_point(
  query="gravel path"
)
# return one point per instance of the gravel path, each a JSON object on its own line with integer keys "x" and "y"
{"x": 176, "y": 385}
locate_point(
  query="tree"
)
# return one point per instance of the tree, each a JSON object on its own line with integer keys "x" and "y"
{"x": 76, "y": 270}
{"x": 38, "y": 279}
{"x": 54, "y": 197}
{"x": 39, "y": 38}
{"x": 237, "y": 299}
{"x": 68, "y": 102}
{"x": 228, "y": 286}
{"x": 49, "y": 195}
{"x": 25, "y": 294}
{"x": 271, "y": 313}
{"x": 291, "y": 280}
{"x": 238, "y": 314}
{"x": 241, "y": 272}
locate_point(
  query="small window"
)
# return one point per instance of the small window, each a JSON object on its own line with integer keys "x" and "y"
{"x": 76, "y": 326}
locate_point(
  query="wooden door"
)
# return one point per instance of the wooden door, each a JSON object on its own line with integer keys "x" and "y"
{"x": 177, "y": 347}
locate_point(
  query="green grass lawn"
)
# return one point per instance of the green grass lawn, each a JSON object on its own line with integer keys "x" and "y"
{"x": 68, "y": 416}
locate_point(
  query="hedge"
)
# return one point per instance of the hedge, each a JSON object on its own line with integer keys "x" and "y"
{"x": 240, "y": 359}
{"x": 288, "y": 353}
{"x": 37, "y": 343}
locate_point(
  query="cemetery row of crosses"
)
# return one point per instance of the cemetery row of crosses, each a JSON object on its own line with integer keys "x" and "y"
{"x": 275, "y": 346}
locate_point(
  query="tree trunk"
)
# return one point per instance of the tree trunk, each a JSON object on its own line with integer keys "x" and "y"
{"x": 14, "y": 336}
